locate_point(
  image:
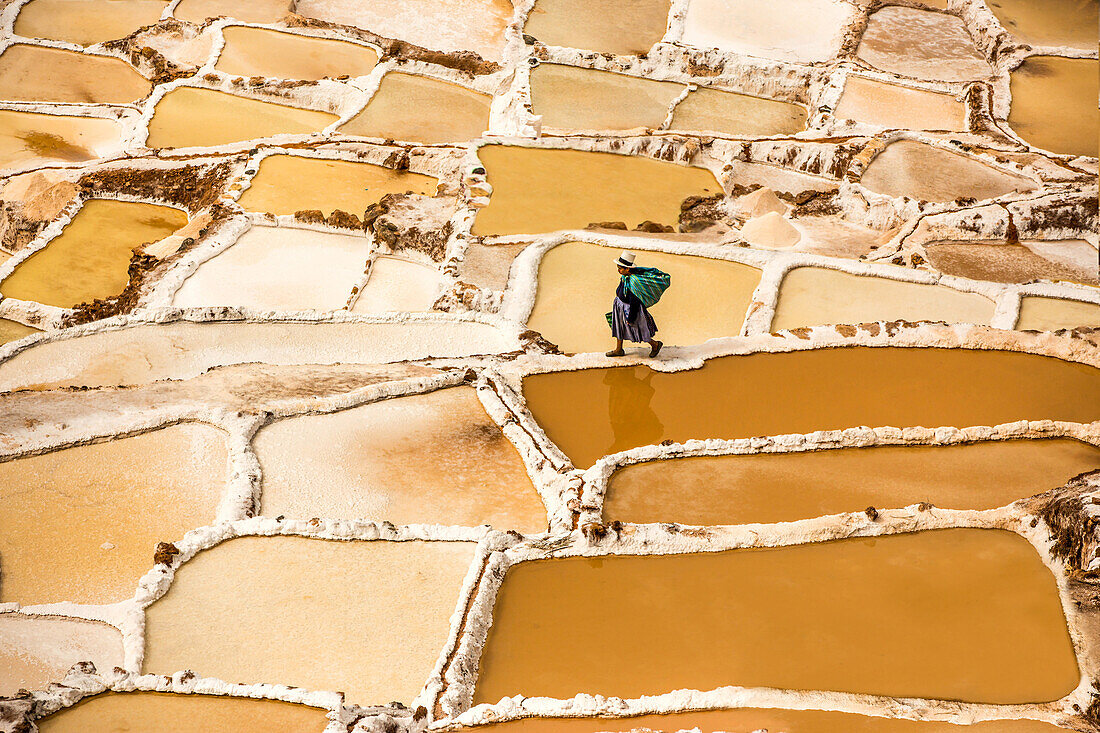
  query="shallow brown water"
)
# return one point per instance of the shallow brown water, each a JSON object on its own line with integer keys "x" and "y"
{"x": 85, "y": 22}
{"x": 408, "y": 106}
{"x": 1052, "y": 104}
{"x": 156, "y": 712}
{"x": 728, "y": 113}
{"x": 246, "y": 11}
{"x": 922, "y": 44}
{"x": 29, "y": 136}
{"x": 753, "y": 720}
{"x": 624, "y": 27}
{"x": 540, "y": 190}
{"x": 39, "y": 74}
{"x": 784, "y": 487}
{"x": 569, "y": 97}
{"x": 38, "y": 650}
{"x": 80, "y": 524}
{"x": 91, "y": 256}
{"x": 264, "y": 52}
{"x": 844, "y": 615}
{"x": 13, "y": 330}
{"x": 187, "y": 117}
{"x": 248, "y": 610}
{"x": 1015, "y": 263}
{"x": 1052, "y": 314}
{"x": 593, "y": 412}
{"x": 1050, "y": 22}
{"x": 916, "y": 170}
{"x": 285, "y": 184}
{"x": 892, "y": 105}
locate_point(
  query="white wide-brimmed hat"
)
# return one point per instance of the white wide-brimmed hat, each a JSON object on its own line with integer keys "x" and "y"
{"x": 626, "y": 259}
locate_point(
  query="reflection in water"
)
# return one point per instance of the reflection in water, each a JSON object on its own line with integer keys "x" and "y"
{"x": 629, "y": 410}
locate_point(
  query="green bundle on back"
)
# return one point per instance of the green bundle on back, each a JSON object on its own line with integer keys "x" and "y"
{"x": 648, "y": 284}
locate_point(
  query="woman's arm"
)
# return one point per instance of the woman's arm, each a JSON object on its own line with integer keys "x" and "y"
{"x": 634, "y": 305}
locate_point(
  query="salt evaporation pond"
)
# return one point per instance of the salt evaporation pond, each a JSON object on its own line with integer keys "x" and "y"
{"x": 38, "y": 650}
{"x": 1051, "y": 22}
{"x": 922, "y": 44}
{"x": 248, "y": 609}
{"x": 40, "y": 74}
{"x": 929, "y": 173}
{"x": 13, "y": 330}
{"x": 27, "y": 137}
{"x": 398, "y": 285}
{"x": 405, "y": 107}
{"x": 275, "y": 268}
{"x": 784, "y": 487}
{"x": 593, "y": 412}
{"x": 814, "y": 296}
{"x": 284, "y": 184}
{"x": 157, "y": 712}
{"x": 85, "y": 22}
{"x": 529, "y": 196}
{"x": 148, "y": 353}
{"x": 1052, "y": 105}
{"x": 189, "y": 117}
{"x": 798, "y": 617}
{"x": 264, "y": 52}
{"x": 576, "y": 286}
{"x": 1070, "y": 260}
{"x": 254, "y": 11}
{"x": 791, "y": 30}
{"x": 569, "y": 97}
{"x": 622, "y": 27}
{"x": 728, "y": 113}
{"x": 91, "y": 257}
{"x": 1051, "y": 314}
{"x": 405, "y": 460}
{"x": 80, "y": 524}
{"x": 895, "y": 106}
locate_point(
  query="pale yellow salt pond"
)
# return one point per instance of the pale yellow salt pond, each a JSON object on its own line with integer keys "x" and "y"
{"x": 798, "y": 617}
{"x": 1051, "y": 22}
{"x": 1052, "y": 314}
{"x": 594, "y": 412}
{"x": 147, "y": 353}
{"x": 1069, "y": 260}
{"x": 728, "y": 113}
{"x": 27, "y": 137}
{"x": 38, "y": 650}
{"x": 441, "y": 25}
{"x": 793, "y": 30}
{"x": 398, "y": 285}
{"x": 576, "y": 287}
{"x": 928, "y": 173}
{"x": 784, "y": 487}
{"x": 623, "y": 27}
{"x": 187, "y": 117}
{"x": 814, "y": 296}
{"x": 13, "y": 330}
{"x": 272, "y": 268}
{"x": 922, "y": 44}
{"x": 40, "y": 74}
{"x": 420, "y": 109}
{"x": 159, "y": 712}
{"x": 91, "y": 256}
{"x": 1053, "y": 104}
{"x": 745, "y": 720}
{"x": 569, "y": 97}
{"x": 894, "y": 106}
{"x": 85, "y": 22}
{"x": 80, "y": 524}
{"x": 248, "y": 610}
{"x": 285, "y": 184}
{"x": 265, "y": 52}
{"x": 542, "y": 190}
{"x": 405, "y": 460}
{"x": 246, "y": 11}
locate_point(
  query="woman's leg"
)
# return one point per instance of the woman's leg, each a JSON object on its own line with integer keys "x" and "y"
{"x": 618, "y": 350}
{"x": 655, "y": 347}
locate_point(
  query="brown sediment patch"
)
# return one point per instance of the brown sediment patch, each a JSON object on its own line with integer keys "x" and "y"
{"x": 269, "y": 593}
{"x": 1015, "y": 263}
{"x": 41, "y": 74}
{"x": 540, "y": 190}
{"x": 729, "y": 113}
{"x": 569, "y": 97}
{"x": 796, "y": 617}
{"x": 285, "y": 184}
{"x": 13, "y": 330}
{"x": 404, "y": 460}
{"x": 1050, "y": 23}
{"x": 783, "y": 487}
{"x": 593, "y": 412}
{"x": 264, "y": 52}
{"x": 161, "y": 712}
{"x": 79, "y": 524}
{"x": 193, "y": 187}
{"x": 38, "y": 650}
{"x": 406, "y": 107}
{"x": 623, "y": 27}
{"x": 31, "y": 137}
{"x": 1052, "y": 104}
{"x": 85, "y": 22}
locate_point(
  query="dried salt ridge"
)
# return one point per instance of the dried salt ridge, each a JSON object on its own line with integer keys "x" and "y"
{"x": 788, "y": 208}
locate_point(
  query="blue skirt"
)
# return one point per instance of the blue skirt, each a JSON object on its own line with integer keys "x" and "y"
{"x": 641, "y": 330}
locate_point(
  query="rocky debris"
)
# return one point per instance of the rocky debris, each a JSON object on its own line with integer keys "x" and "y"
{"x": 165, "y": 553}
{"x": 701, "y": 212}
{"x": 413, "y": 222}
{"x": 533, "y": 341}
{"x": 814, "y": 203}
{"x": 653, "y": 227}
{"x": 310, "y": 216}
{"x": 1075, "y": 530}
{"x": 22, "y": 221}
{"x": 343, "y": 220}
{"x": 463, "y": 296}
{"x": 193, "y": 186}
{"x": 617, "y": 225}
{"x": 139, "y": 49}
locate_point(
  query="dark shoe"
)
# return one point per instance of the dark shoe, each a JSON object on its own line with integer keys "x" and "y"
{"x": 616, "y": 352}
{"x": 656, "y": 349}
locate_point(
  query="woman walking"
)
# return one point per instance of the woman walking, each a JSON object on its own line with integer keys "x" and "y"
{"x": 639, "y": 287}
